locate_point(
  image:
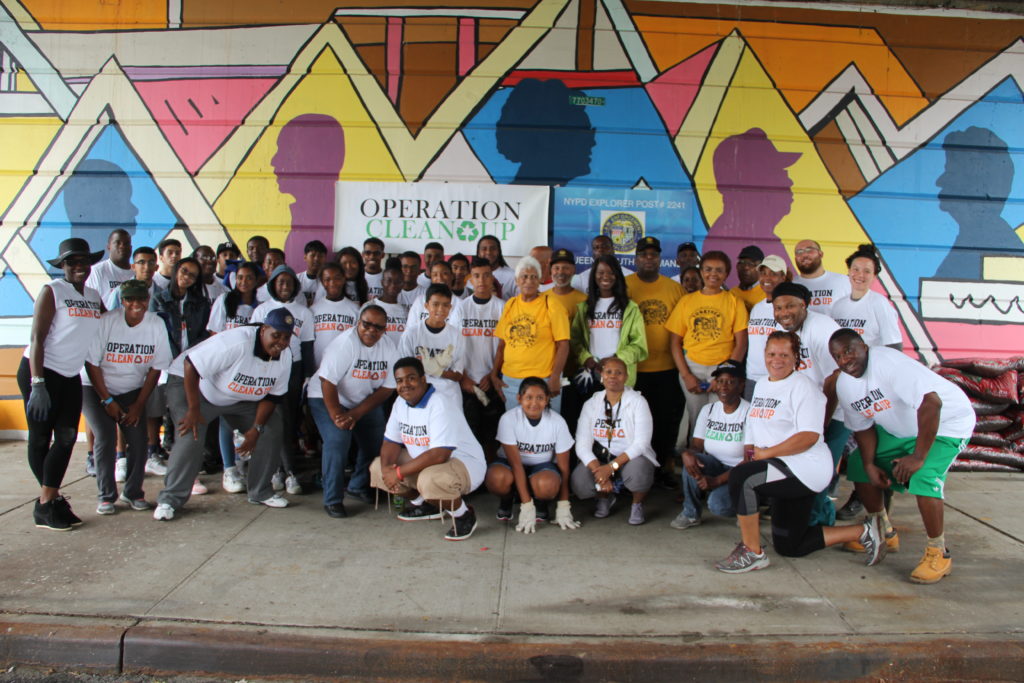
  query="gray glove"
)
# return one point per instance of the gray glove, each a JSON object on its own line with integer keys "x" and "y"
{"x": 38, "y": 406}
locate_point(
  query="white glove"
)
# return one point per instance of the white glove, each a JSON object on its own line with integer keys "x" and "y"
{"x": 484, "y": 399}
{"x": 435, "y": 364}
{"x": 563, "y": 516}
{"x": 527, "y": 518}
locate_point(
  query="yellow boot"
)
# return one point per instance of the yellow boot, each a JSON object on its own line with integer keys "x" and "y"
{"x": 934, "y": 565}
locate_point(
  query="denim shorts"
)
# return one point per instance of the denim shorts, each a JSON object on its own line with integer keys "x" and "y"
{"x": 531, "y": 470}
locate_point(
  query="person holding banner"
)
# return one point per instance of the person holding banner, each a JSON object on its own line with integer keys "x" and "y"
{"x": 534, "y": 334}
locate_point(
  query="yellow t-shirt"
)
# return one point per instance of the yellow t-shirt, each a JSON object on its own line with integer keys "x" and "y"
{"x": 656, "y": 300}
{"x": 749, "y": 297}
{"x": 530, "y": 331}
{"x": 569, "y": 300}
{"x": 707, "y": 325}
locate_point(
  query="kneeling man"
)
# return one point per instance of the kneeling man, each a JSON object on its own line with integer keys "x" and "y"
{"x": 910, "y": 424}
{"x": 429, "y": 454}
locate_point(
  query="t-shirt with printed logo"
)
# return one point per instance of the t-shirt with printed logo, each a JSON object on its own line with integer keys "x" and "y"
{"x": 106, "y": 275}
{"x": 530, "y": 330}
{"x": 722, "y": 432}
{"x": 397, "y": 314}
{"x": 872, "y": 316}
{"x": 373, "y": 284}
{"x": 230, "y": 371}
{"x": 432, "y": 423}
{"x": 891, "y": 390}
{"x": 605, "y": 329}
{"x": 815, "y": 360}
{"x": 759, "y": 326}
{"x": 538, "y": 443}
{"x": 708, "y": 324}
{"x": 126, "y": 354}
{"x": 357, "y": 370}
{"x": 656, "y": 300}
{"x": 220, "y": 320}
{"x": 825, "y": 290}
{"x": 478, "y": 320}
{"x": 331, "y": 318}
{"x": 76, "y": 319}
{"x": 439, "y": 350}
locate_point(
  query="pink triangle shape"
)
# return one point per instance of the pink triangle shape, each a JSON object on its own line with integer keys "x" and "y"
{"x": 196, "y": 115}
{"x": 674, "y": 90}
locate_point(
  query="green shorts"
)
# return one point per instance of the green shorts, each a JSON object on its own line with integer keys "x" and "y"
{"x": 928, "y": 481}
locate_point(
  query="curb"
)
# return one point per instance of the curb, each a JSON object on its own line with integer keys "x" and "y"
{"x": 122, "y": 646}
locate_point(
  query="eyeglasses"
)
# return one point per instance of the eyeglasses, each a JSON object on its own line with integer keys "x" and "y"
{"x": 805, "y": 250}
{"x": 367, "y": 325}
{"x": 188, "y": 274}
{"x": 77, "y": 261}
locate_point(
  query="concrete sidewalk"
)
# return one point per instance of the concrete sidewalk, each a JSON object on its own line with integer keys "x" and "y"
{"x": 237, "y": 589}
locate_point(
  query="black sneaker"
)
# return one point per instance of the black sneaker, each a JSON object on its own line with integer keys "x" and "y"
{"x": 46, "y": 517}
{"x": 337, "y": 511}
{"x": 63, "y": 509}
{"x": 365, "y": 495}
{"x": 504, "y": 513}
{"x": 851, "y": 510}
{"x": 462, "y": 527}
{"x": 416, "y": 513}
{"x": 541, "y": 512}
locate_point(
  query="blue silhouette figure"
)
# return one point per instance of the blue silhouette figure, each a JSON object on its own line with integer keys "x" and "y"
{"x": 543, "y": 130}
{"x": 973, "y": 190}
{"x": 98, "y": 199}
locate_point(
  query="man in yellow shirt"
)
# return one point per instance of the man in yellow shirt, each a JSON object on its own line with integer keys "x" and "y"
{"x": 563, "y": 268}
{"x": 656, "y": 377}
{"x": 749, "y": 289}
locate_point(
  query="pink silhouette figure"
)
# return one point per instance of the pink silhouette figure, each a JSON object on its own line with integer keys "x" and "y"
{"x": 756, "y": 194}
{"x": 310, "y": 154}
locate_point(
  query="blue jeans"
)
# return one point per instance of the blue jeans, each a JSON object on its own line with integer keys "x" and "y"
{"x": 511, "y": 393}
{"x": 718, "y": 501}
{"x": 368, "y": 433}
{"x": 226, "y": 436}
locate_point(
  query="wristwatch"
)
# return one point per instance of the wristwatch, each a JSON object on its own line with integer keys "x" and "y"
{"x": 37, "y": 380}
{"x": 614, "y": 465}
{"x": 260, "y": 429}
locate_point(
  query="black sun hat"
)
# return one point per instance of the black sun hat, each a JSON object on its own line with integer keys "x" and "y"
{"x": 75, "y": 246}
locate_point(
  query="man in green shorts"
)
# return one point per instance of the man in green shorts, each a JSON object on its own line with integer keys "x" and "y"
{"x": 910, "y": 424}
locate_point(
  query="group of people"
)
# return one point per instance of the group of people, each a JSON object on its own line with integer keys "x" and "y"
{"x": 428, "y": 377}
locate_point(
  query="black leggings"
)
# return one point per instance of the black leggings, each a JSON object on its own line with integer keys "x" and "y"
{"x": 50, "y": 441}
{"x": 791, "y": 504}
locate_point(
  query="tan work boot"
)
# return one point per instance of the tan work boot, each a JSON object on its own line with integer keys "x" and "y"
{"x": 934, "y": 565}
{"x": 892, "y": 544}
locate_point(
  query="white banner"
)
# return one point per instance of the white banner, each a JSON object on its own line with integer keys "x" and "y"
{"x": 407, "y": 216}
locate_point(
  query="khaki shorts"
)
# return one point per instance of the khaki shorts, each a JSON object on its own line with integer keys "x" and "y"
{"x": 446, "y": 481}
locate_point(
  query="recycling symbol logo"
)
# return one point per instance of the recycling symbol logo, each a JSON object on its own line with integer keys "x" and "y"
{"x": 467, "y": 231}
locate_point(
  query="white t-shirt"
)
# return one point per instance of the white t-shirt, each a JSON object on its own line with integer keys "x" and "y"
{"x": 891, "y": 390}
{"x": 219, "y": 319}
{"x": 722, "y": 432}
{"x": 161, "y": 281}
{"x": 815, "y": 360}
{"x": 303, "y": 331}
{"x": 538, "y": 443}
{"x": 506, "y": 277}
{"x": 309, "y": 285}
{"x": 126, "y": 354}
{"x": 373, "y": 284}
{"x": 826, "y": 289}
{"x": 445, "y": 347}
{"x": 413, "y": 297}
{"x": 759, "y": 326}
{"x": 423, "y": 280}
{"x": 418, "y": 312}
{"x": 397, "y": 315}
{"x": 356, "y": 369}
{"x": 230, "y": 371}
{"x": 630, "y": 433}
{"x": 605, "y": 329}
{"x": 780, "y": 409}
{"x": 106, "y": 276}
{"x": 215, "y": 289}
{"x": 331, "y": 318}
{"x": 872, "y": 316}
{"x": 581, "y": 280}
{"x": 76, "y": 319}
{"x": 263, "y": 293}
{"x": 432, "y": 423}
{"x": 477, "y": 322}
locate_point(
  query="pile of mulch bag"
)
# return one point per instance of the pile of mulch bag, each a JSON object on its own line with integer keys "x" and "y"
{"x": 996, "y": 391}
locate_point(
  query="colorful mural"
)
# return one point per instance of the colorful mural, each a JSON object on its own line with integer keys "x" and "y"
{"x": 211, "y": 121}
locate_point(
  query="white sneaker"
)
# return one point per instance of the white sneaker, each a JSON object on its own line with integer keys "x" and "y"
{"x": 231, "y": 481}
{"x": 277, "y": 481}
{"x": 275, "y": 501}
{"x": 292, "y": 486}
{"x": 121, "y": 470}
{"x": 163, "y": 512}
{"x": 155, "y": 466}
{"x": 198, "y": 489}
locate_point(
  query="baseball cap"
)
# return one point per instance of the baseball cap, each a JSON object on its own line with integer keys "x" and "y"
{"x": 774, "y": 263}
{"x": 562, "y": 256}
{"x": 134, "y": 289}
{"x": 792, "y": 289}
{"x": 752, "y": 252}
{"x": 730, "y": 367}
{"x": 281, "y": 320}
{"x": 687, "y": 245}
{"x": 649, "y": 242}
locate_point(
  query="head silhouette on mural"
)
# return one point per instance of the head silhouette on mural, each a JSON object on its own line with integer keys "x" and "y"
{"x": 757, "y": 193}
{"x": 98, "y": 199}
{"x": 546, "y": 132}
{"x": 973, "y": 189}
{"x": 310, "y": 154}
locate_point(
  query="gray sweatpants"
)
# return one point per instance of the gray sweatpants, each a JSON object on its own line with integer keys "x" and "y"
{"x": 104, "y": 447}
{"x": 187, "y": 454}
{"x": 637, "y": 477}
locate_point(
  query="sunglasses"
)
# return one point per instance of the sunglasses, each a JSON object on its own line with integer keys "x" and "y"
{"x": 367, "y": 325}
{"x": 77, "y": 261}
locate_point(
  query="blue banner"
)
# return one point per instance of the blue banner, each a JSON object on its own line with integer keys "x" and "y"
{"x": 582, "y": 213}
